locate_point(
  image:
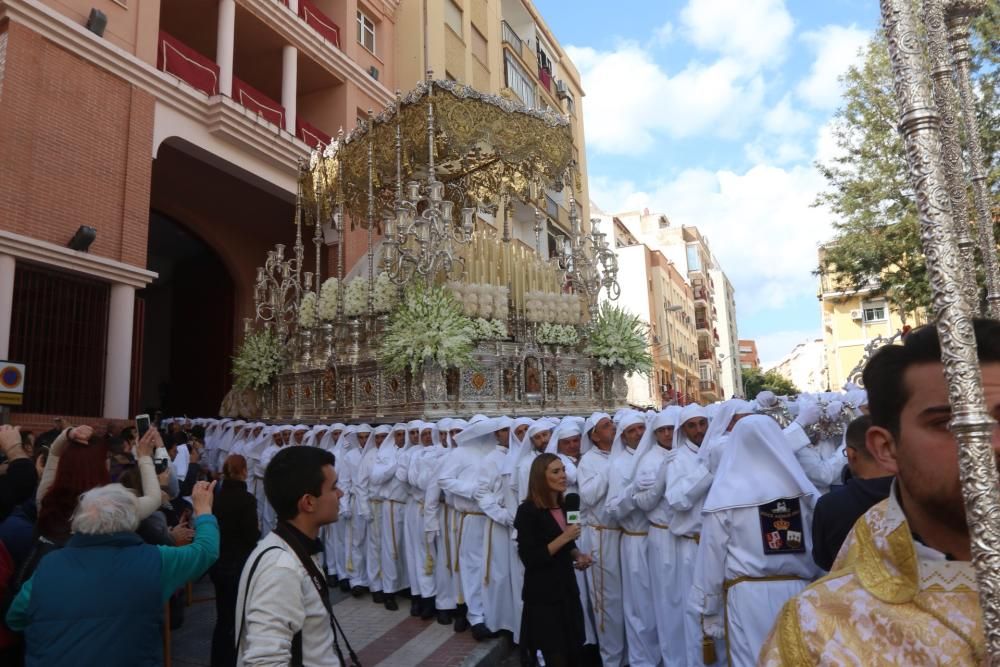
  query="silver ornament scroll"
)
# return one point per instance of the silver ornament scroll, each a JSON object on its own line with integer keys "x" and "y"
{"x": 920, "y": 127}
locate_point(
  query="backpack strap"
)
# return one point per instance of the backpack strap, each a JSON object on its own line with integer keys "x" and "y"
{"x": 246, "y": 593}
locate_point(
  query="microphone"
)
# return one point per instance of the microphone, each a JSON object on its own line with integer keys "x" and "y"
{"x": 572, "y": 502}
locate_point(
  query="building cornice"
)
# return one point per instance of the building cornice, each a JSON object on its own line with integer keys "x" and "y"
{"x": 49, "y": 254}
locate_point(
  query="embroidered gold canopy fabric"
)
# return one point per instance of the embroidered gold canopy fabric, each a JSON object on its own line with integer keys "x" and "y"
{"x": 486, "y": 148}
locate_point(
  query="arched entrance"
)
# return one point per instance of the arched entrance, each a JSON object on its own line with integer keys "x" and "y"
{"x": 187, "y": 323}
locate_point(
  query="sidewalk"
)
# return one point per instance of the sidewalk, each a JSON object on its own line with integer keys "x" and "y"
{"x": 381, "y": 638}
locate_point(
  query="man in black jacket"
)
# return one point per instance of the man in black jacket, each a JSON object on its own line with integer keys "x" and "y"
{"x": 837, "y": 511}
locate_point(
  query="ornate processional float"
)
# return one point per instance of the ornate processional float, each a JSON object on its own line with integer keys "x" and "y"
{"x": 930, "y": 62}
{"x": 450, "y": 311}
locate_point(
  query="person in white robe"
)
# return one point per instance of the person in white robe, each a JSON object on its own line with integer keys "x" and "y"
{"x": 357, "y": 557}
{"x": 371, "y": 512}
{"x": 601, "y": 538}
{"x": 725, "y": 417}
{"x": 756, "y": 543}
{"x": 391, "y": 490}
{"x": 334, "y": 535}
{"x": 662, "y": 547}
{"x": 824, "y": 460}
{"x": 689, "y": 481}
{"x": 637, "y": 592}
{"x": 537, "y": 439}
{"x": 418, "y": 457}
{"x": 494, "y": 501}
{"x": 462, "y": 477}
{"x": 438, "y": 515}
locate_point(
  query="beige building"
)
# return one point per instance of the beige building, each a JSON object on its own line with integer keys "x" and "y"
{"x": 851, "y": 320}
{"x": 805, "y": 366}
{"x": 654, "y": 290}
{"x": 690, "y": 252}
{"x": 502, "y": 47}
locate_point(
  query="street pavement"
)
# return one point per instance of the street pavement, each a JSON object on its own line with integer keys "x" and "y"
{"x": 381, "y": 638}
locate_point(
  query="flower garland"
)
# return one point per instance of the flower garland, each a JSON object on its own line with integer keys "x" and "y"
{"x": 356, "y": 297}
{"x": 618, "y": 338}
{"x": 307, "y": 310}
{"x": 384, "y": 296}
{"x": 258, "y": 360}
{"x": 556, "y": 334}
{"x": 328, "y": 299}
{"x": 427, "y": 326}
{"x": 554, "y": 308}
{"x": 489, "y": 329}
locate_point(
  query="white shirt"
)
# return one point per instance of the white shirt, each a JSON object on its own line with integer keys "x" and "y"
{"x": 281, "y": 602}
{"x": 592, "y": 475}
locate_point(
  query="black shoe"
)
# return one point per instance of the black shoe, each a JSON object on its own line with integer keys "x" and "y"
{"x": 357, "y": 591}
{"x": 416, "y": 604}
{"x": 390, "y": 602}
{"x": 480, "y": 632}
{"x": 427, "y": 609}
{"x": 378, "y": 597}
{"x": 461, "y": 624}
{"x": 345, "y": 586}
{"x": 444, "y": 617}
{"x": 331, "y": 580}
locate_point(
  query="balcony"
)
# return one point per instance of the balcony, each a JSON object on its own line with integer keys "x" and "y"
{"x": 702, "y": 325}
{"x": 319, "y": 22}
{"x": 175, "y": 57}
{"x": 707, "y": 385}
{"x": 517, "y": 80}
{"x": 258, "y": 103}
{"x": 510, "y": 37}
{"x": 705, "y": 355}
{"x": 700, "y": 294}
{"x": 545, "y": 78}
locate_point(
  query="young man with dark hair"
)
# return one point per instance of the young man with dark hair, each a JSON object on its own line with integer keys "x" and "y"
{"x": 837, "y": 511}
{"x": 902, "y": 588}
{"x": 283, "y": 609}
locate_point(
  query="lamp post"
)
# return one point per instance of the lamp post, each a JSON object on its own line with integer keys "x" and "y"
{"x": 673, "y": 370}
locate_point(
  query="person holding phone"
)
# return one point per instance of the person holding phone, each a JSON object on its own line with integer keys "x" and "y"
{"x": 552, "y": 618}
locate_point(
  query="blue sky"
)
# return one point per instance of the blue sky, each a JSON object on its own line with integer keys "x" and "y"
{"x": 713, "y": 112}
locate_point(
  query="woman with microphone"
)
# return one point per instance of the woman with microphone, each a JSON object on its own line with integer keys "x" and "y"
{"x": 552, "y": 619}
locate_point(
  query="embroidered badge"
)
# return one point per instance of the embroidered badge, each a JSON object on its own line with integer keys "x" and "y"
{"x": 781, "y": 527}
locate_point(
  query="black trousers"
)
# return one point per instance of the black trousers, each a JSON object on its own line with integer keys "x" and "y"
{"x": 227, "y": 582}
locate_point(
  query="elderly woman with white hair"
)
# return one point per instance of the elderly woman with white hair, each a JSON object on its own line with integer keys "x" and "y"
{"x": 106, "y": 583}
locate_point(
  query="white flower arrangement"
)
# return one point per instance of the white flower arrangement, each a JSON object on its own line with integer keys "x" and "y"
{"x": 258, "y": 360}
{"x": 619, "y": 338}
{"x": 356, "y": 297}
{"x": 556, "y": 334}
{"x": 307, "y": 310}
{"x": 428, "y": 325}
{"x": 489, "y": 329}
{"x": 385, "y": 295}
{"x": 328, "y": 299}
{"x": 553, "y": 308}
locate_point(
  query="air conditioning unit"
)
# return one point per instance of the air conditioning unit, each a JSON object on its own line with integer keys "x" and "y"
{"x": 857, "y": 314}
{"x": 562, "y": 91}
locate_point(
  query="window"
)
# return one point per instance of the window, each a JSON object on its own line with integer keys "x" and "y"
{"x": 366, "y": 31}
{"x": 453, "y": 16}
{"x": 551, "y": 207}
{"x": 480, "y": 46}
{"x": 875, "y": 312}
{"x": 694, "y": 262}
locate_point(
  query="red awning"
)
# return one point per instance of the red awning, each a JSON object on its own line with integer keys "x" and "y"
{"x": 179, "y": 59}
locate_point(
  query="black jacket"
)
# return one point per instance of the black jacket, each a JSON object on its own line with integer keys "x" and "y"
{"x": 837, "y": 511}
{"x": 236, "y": 510}
{"x": 547, "y": 578}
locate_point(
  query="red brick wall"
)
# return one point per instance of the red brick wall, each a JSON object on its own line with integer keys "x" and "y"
{"x": 76, "y": 143}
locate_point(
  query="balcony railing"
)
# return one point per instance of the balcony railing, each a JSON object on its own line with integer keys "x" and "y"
{"x": 700, "y": 294}
{"x": 545, "y": 78}
{"x": 509, "y": 36}
{"x": 259, "y": 103}
{"x": 701, "y": 324}
{"x": 706, "y": 385}
{"x": 518, "y": 81}
{"x": 310, "y": 135}
{"x": 177, "y": 58}
{"x": 320, "y": 22}
{"x": 705, "y": 355}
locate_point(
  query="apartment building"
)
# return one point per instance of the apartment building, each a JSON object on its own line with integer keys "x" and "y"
{"x": 749, "y": 359}
{"x": 730, "y": 379}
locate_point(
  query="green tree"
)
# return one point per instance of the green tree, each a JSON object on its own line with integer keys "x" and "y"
{"x": 877, "y": 232}
{"x": 755, "y": 381}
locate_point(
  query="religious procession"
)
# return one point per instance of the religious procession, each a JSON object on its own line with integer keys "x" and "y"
{"x": 335, "y": 333}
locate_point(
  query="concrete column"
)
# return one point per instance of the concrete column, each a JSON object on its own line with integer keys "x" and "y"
{"x": 289, "y": 83}
{"x": 118, "y": 365}
{"x": 225, "y": 39}
{"x": 294, "y": 6}
{"x": 7, "y": 265}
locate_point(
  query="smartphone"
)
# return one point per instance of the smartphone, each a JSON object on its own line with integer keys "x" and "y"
{"x": 142, "y": 424}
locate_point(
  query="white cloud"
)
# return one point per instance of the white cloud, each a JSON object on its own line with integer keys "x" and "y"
{"x": 664, "y": 34}
{"x": 753, "y": 32}
{"x": 784, "y": 118}
{"x": 773, "y": 346}
{"x": 760, "y": 224}
{"x": 631, "y": 100}
{"x": 837, "y": 48}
